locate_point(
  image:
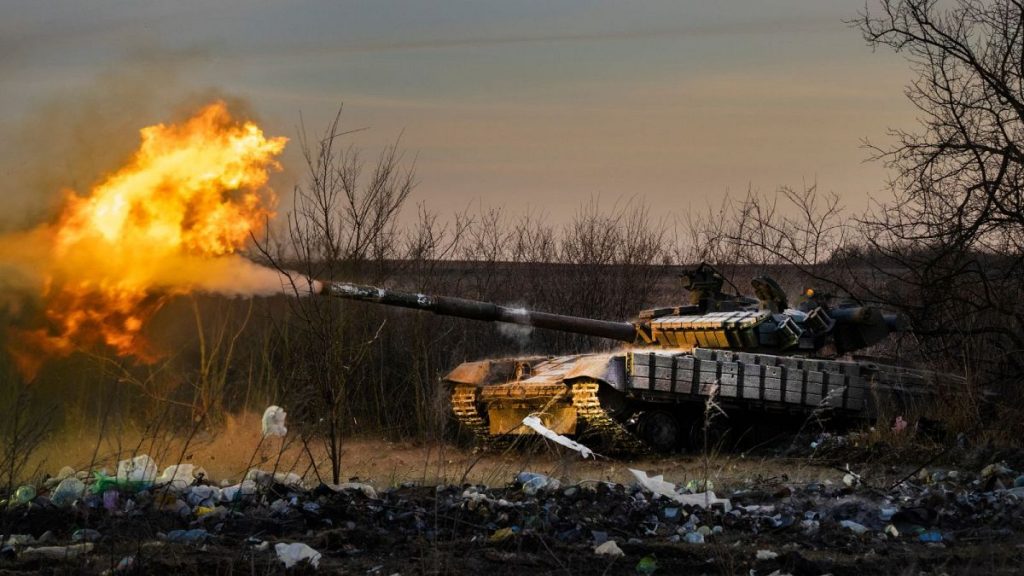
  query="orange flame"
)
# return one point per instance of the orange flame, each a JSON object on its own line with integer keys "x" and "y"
{"x": 192, "y": 194}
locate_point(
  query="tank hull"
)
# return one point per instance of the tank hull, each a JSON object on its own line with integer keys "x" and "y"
{"x": 642, "y": 398}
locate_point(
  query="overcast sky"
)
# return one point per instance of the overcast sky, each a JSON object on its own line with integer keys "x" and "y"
{"x": 526, "y": 104}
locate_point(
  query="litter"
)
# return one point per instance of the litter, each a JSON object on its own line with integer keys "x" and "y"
{"x": 238, "y": 491}
{"x": 133, "y": 475}
{"x": 501, "y": 535}
{"x": 69, "y": 490}
{"x": 56, "y": 552}
{"x": 125, "y": 565}
{"x": 900, "y": 425}
{"x": 142, "y": 468}
{"x": 85, "y": 535}
{"x": 201, "y": 495}
{"x": 658, "y": 485}
{"x": 366, "y": 489}
{"x": 535, "y": 423}
{"x": 292, "y": 554}
{"x": 647, "y": 565}
{"x": 533, "y": 482}
{"x": 110, "y": 500}
{"x": 24, "y": 494}
{"x": 273, "y": 422}
{"x": 193, "y": 536}
{"x": 19, "y": 540}
{"x": 609, "y": 548}
{"x": 853, "y": 526}
{"x": 177, "y": 477}
{"x": 264, "y": 478}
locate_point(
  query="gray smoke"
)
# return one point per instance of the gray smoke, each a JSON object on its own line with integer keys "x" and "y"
{"x": 518, "y": 333}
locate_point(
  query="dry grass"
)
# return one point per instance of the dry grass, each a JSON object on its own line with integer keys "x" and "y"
{"x": 227, "y": 453}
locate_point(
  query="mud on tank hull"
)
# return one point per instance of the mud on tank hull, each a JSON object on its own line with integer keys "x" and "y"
{"x": 643, "y": 399}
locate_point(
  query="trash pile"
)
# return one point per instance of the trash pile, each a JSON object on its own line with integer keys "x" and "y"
{"x": 137, "y": 518}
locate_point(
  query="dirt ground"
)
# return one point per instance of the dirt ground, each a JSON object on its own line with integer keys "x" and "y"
{"x": 228, "y": 453}
{"x": 440, "y": 509}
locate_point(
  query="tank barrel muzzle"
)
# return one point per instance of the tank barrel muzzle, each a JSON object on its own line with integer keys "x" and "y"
{"x": 868, "y": 316}
{"x": 478, "y": 310}
{"x": 895, "y": 322}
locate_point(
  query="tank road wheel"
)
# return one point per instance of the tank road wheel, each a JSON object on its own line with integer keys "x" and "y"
{"x": 712, "y": 437}
{"x": 661, "y": 430}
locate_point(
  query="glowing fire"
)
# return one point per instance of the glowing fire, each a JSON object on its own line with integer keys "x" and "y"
{"x": 159, "y": 226}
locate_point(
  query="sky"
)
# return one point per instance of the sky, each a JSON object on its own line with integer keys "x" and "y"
{"x": 527, "y": 105}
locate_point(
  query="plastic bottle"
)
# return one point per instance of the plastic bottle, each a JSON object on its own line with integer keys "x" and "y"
{"x": 24, "y": 494}
{"x": 533, "y": 482}
{"x": 69, "y": 490}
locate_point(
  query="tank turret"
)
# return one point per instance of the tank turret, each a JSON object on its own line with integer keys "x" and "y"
{"x": 712, "y": 320}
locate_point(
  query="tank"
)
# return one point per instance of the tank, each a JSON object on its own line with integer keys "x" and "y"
{"x": 761, "y": 362}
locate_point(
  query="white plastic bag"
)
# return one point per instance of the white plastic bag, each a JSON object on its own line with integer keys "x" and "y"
{"x": 139, "y": 469}
{"x": 177, "y": 477}
{"x": 273, "y": 421}
{"x": 238, "y": 491}
{"x": 292, "y": 554}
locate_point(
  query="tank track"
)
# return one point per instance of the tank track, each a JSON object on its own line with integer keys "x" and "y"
{"x": 596, "y": 421}
{"x": 599, "y": 423}
{"x": 463, "y": 399}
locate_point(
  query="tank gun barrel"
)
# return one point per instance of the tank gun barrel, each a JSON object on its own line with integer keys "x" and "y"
{"x": 858, "y": 327}
{"x": 868, "y": 316}
{"x": 478, "y": 310}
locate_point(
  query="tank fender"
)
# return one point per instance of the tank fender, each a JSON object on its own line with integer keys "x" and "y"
{"x": 470, "y": 372}
{"x": 497, "y": 371}
{"x": 608, "y": 368}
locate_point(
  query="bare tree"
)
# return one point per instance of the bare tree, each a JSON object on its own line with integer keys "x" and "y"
{"x": 952, "y": 242}
{"x": 803, "y": 234}
{"x": 342, "y": 219}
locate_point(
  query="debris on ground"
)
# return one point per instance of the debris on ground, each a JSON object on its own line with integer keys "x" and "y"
{"x": 659, "y": 486}
{"x": 609, "y": 548}
{"x": 137, "y": 520}
{"x": 56, "y": 552}
{"x": 273, "y": 422}
{"x": 534, "y": 423}
{"x": 292, "y": 554}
